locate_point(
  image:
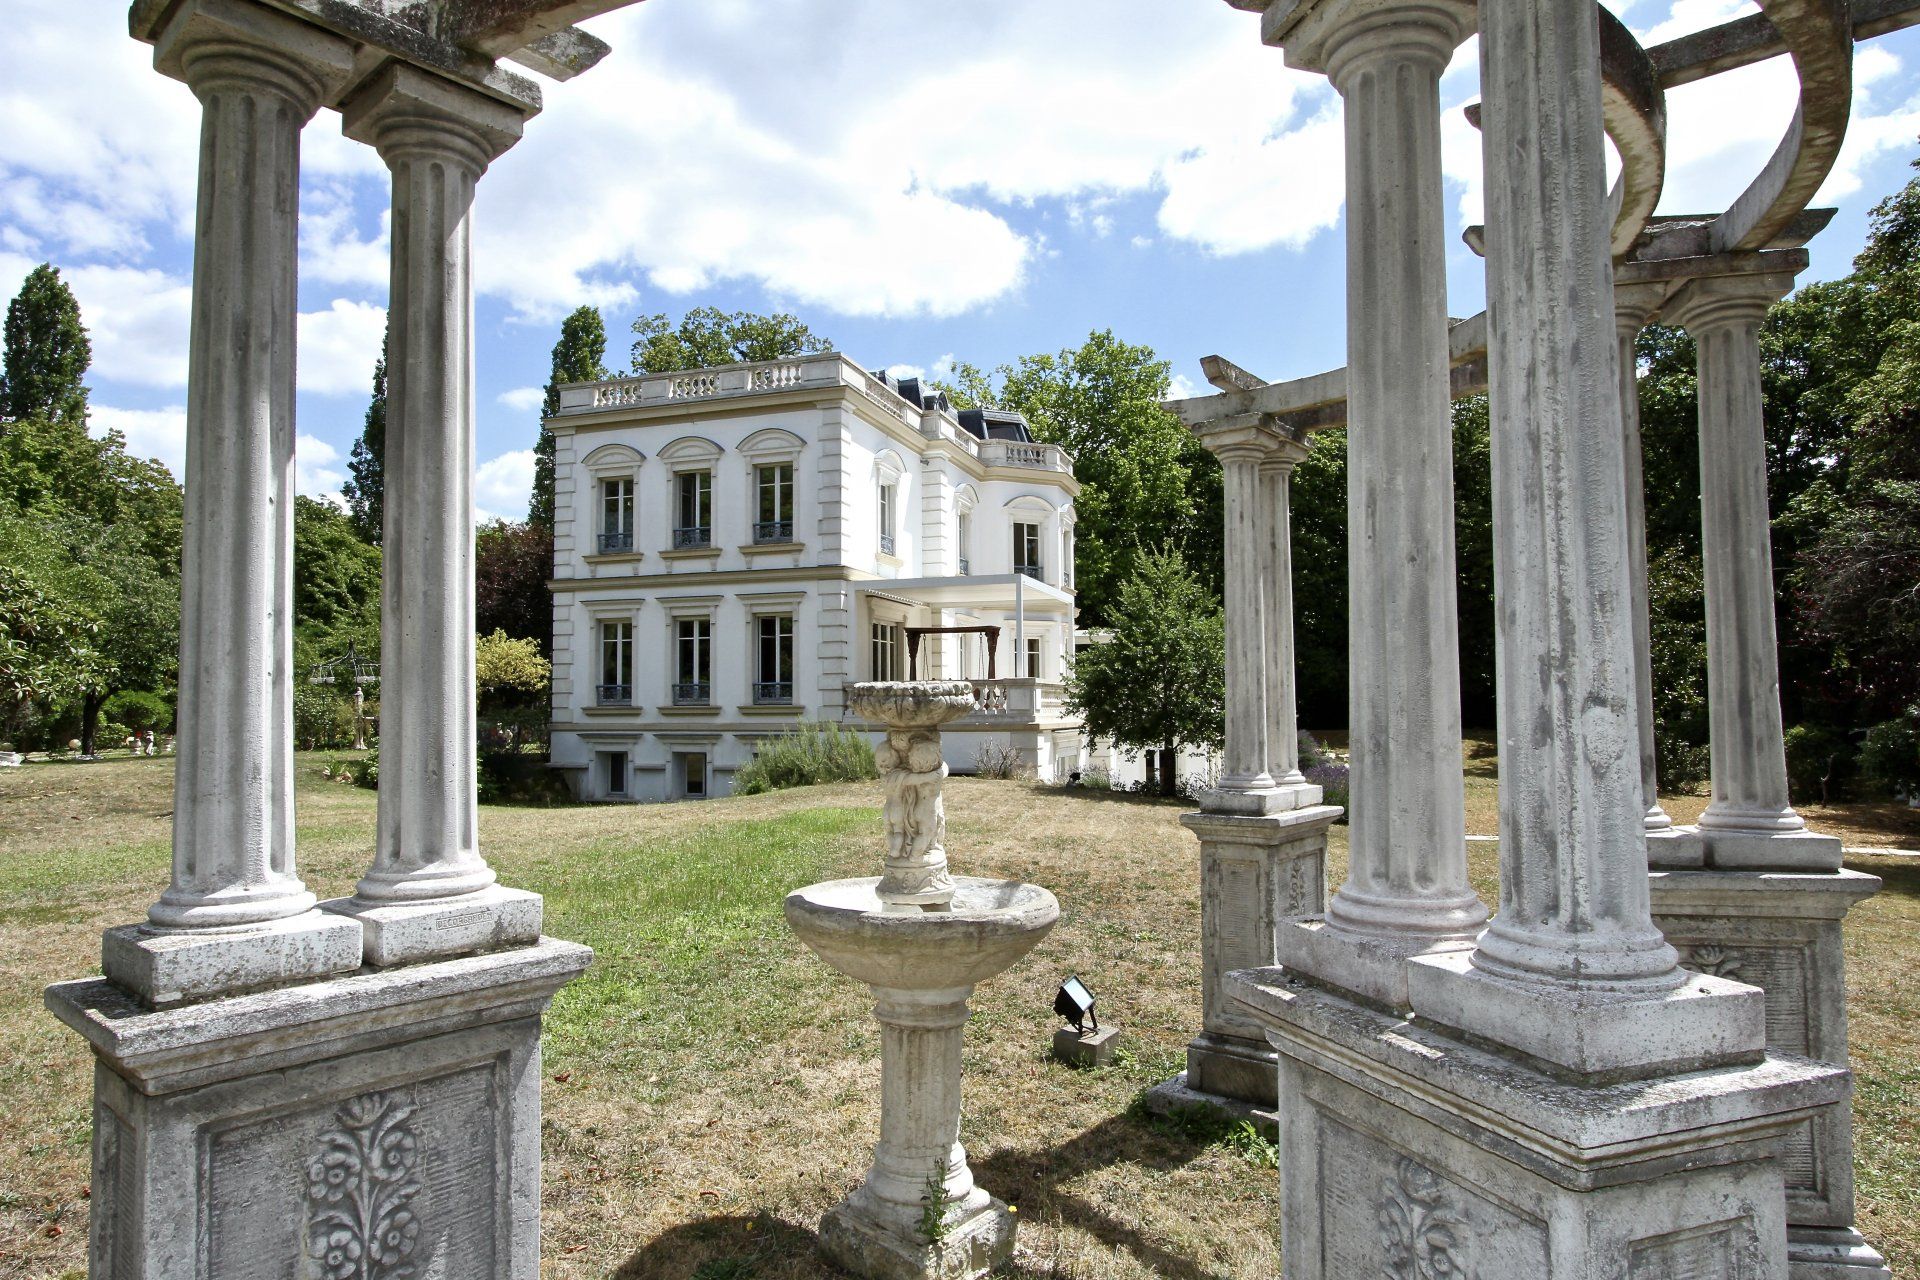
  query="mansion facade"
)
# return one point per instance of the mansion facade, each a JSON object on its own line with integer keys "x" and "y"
{"x": 734, "y": 546}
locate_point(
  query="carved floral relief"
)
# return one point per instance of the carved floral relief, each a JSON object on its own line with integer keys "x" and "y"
{"x": 360, "y": 1190}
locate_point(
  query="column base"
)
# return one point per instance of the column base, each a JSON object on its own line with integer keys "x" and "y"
{"x": 1363, "y": 965}
{"x": 1770, "y": 850}
{"x": 391, "y": 1118}
{"x": 975, "y": 1237}
{"x": 1680, "y": 848}
{"x": 1833, "y": 1253}
{"x": 169, "y": 967}
{"x": 1703, "y": 1023}
{"x": 1177, "y": 1095}
{"x": 398, "y": 933}
{"x": 1265, "y": 801}
{"x": 1410, "y": 1152}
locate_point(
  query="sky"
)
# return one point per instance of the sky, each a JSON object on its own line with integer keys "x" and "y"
{"x": 920, "y": 183}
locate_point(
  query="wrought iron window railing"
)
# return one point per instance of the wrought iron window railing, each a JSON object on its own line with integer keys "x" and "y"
{"x": 1029, "y": 570}
{"x": 691, "y": 693}
{"x": 886, "y": 544}
{"x": 614, "y": 542}
{"x": 773, "y": 531}
{"x": 614, "y": 695}
{"x": 691, "y": 536}
{"x": 772, "y": 693}
{"x": 966, "y": 567}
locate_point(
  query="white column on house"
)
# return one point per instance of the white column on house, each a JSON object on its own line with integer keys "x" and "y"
{"x": 1276, "y": 562}
{"x": 1406, "y": 889}
{"x": 1632, "y": 305}
{"x": 259, "y": 79}
{"x": 1750, "y": 821}
{"x": 436, "y": 138}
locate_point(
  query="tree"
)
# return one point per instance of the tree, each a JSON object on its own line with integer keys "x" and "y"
{"x": 509, "y": 669}
{"x": 707, "y": 336}
{"x": 336, "y": 585}
{"x": 47, "y": 652}
{"x": 366, "y": 487}
{"x": 1136, "y": 464}
{"x": 576, "y": 358}
{"x": 46, "y": 353}
{"x": 1160, "y": 681}
{"x": 512, "y": 563}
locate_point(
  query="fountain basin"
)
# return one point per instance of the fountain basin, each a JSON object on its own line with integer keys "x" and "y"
{"x": 989, "y": 926}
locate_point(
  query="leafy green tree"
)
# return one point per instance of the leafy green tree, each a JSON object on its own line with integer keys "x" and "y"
{"x": 1160, "y": 681}
{"x": 47, "y": 653}
{"x": 45, "y": 353}
{"x": 508, "y": 669}
{"x": 1136, "y": 464}
{"x": 366, "y": 486}
{"x": 336, "y": 585}
{"x": 577, "y": 357}
{"x": 707, "y": 336}
{"x": 512, "y": 563}
{"x": 1319, "y": 506}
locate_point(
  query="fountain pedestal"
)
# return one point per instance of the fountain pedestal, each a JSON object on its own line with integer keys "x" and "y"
{"x": 921, "y": 940}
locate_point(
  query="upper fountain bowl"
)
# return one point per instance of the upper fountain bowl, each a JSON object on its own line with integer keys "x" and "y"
{"x": 911, "y": 704}
{"x": 990, "y": 925}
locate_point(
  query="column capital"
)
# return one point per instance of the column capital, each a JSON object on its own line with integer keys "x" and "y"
{"x": 1710, "y": 302}
{"x": 1335, "y": 36}
{"x": 404, "y": 111}
{"x": 213, "y": 45}
{"x": 1283, "y": 454}
{"x": 1240, "y": 437}
{"x": 1634, "y": 304}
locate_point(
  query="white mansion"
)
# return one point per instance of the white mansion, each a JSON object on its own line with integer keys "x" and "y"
{"x": 733, "y": 546}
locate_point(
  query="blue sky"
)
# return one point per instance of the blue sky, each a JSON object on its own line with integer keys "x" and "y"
{"x": 921, "y": 183}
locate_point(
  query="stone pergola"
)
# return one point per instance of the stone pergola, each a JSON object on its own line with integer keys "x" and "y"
{"x": 346, "y": 1087}
{"x": 1540, "y": 1082}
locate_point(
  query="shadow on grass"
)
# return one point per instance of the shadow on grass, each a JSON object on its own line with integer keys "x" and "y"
{"x": 1151, "y": 799}
{"x": 1898, "y": 875}
{"x": 725, "y": 1247}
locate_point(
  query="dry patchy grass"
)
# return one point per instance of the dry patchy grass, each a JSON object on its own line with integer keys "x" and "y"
{"x": 713, "y": 1088}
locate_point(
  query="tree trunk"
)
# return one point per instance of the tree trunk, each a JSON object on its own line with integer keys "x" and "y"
{"x": 90, "y": 722}
{"x": 1169, "y": 772}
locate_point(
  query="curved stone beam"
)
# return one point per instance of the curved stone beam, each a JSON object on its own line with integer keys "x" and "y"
{"x": 1635, "y": 110}
{"x": 1819, "y": 37}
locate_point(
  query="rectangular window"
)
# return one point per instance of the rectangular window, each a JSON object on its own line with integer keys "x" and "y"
{"x": 616, "y": 664}
{"x": 886, "y": 650}
{"x": 616, "y": 515}
{"x": 693, "y": 774}
{"x": 774, "y": 520}
{"x": 1026, "y": 549}
{"x": 886, "y": 519}
{"x": 1066, "y": 556}
{"x": 693, "y": 662}
{"x": 616, "y": 773}
{"x": 1034, "y": 651}
{"x": 773, "y": 676}
{"x": 693, "y": 509}
{"x": 966, "y": 543}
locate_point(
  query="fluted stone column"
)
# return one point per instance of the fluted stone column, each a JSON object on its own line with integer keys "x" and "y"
{"x": 1406, "y": 890}
{"x": 1572, "y": 970}
{"x": 236, "y": 915}
{"x": 1249, "y": 787}
{"x": 430, "y": 892}
{"x": 1750, "y": 822}
{"x": 1632, "y": 305}
{"x": 1276, "y": 530}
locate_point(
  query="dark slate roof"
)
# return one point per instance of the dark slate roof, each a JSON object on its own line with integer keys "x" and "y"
{"x": 996, "y": 424}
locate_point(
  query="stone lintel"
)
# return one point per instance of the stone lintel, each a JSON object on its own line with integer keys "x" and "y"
{"x": 1581, "y": 1135}
{"x": 1589, "y": 1033}
{"x": 1281, "y": 826}
{"x": 170, "y": 1050}
{"x": 1257, "y": 434}
{"x": 403, "y": 91}
{"x": 1371, "y": 967}
{"x": 1804, "y": 895}
{"x": 1714, "y": 266}
{"x": 168, "y": 967}
{"x": 402, "y": 933}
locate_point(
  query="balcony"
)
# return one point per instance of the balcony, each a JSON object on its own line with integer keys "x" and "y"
{"x": 1016, "y": 699}
{"x": 693, "y": 537}
{"x": 1029, "y": 571}
{"x": 613, "y": 695}
{"x": 773, "y": 531}
{"x": 692, "y": 693}
{"x": 773, "y": 693}
{"x": 613, "y": 544}
{"x": 886, "y": 544}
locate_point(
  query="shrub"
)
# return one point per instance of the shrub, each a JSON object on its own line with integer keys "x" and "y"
{"x": 1000, "y": 760}
{"x": 1332, "y": 780}
{"x": 1890, "y": 757}
{"x": 1311, "y": 752}
{"x": 1821, "y": 762}
{"x": 316, "y": 717}
{"x": 138, "y": 710}
{"x": 1681, "y": 765}
{"x": 812, "y": 752}
{"x": 512, "y": 777}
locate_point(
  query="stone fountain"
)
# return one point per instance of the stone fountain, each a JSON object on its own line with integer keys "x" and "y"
{"x": 921, "y": 939}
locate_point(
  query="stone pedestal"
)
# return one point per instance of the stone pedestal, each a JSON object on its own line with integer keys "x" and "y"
{"x": 380, "y": 1124}
{"x": 1409, "y": 1153}
{"x": 1782, "y": 932}
{"x": 1255, "y": 874}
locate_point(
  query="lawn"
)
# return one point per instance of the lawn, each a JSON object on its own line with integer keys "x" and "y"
{"x": 712, "y": 1088}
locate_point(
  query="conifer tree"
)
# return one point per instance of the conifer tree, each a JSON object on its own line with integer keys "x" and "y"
{"x": 46, "y": 353}
{"x": 576, "y": 358}
{"x": 365, "y": 491}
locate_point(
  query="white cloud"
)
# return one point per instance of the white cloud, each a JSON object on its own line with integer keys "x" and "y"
{"x": 137, "y": 320}
{"x": 1181, "y": 387}
{"x": 524, "y": 399}
{"x": 150, "y": 433}
{"x": 502, "y": 486}
{"x": 339, "y": 347}
{"x": 1282, "y": 189}
{"x": 316, "y": 468}
{"x": 905, "y": 371}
